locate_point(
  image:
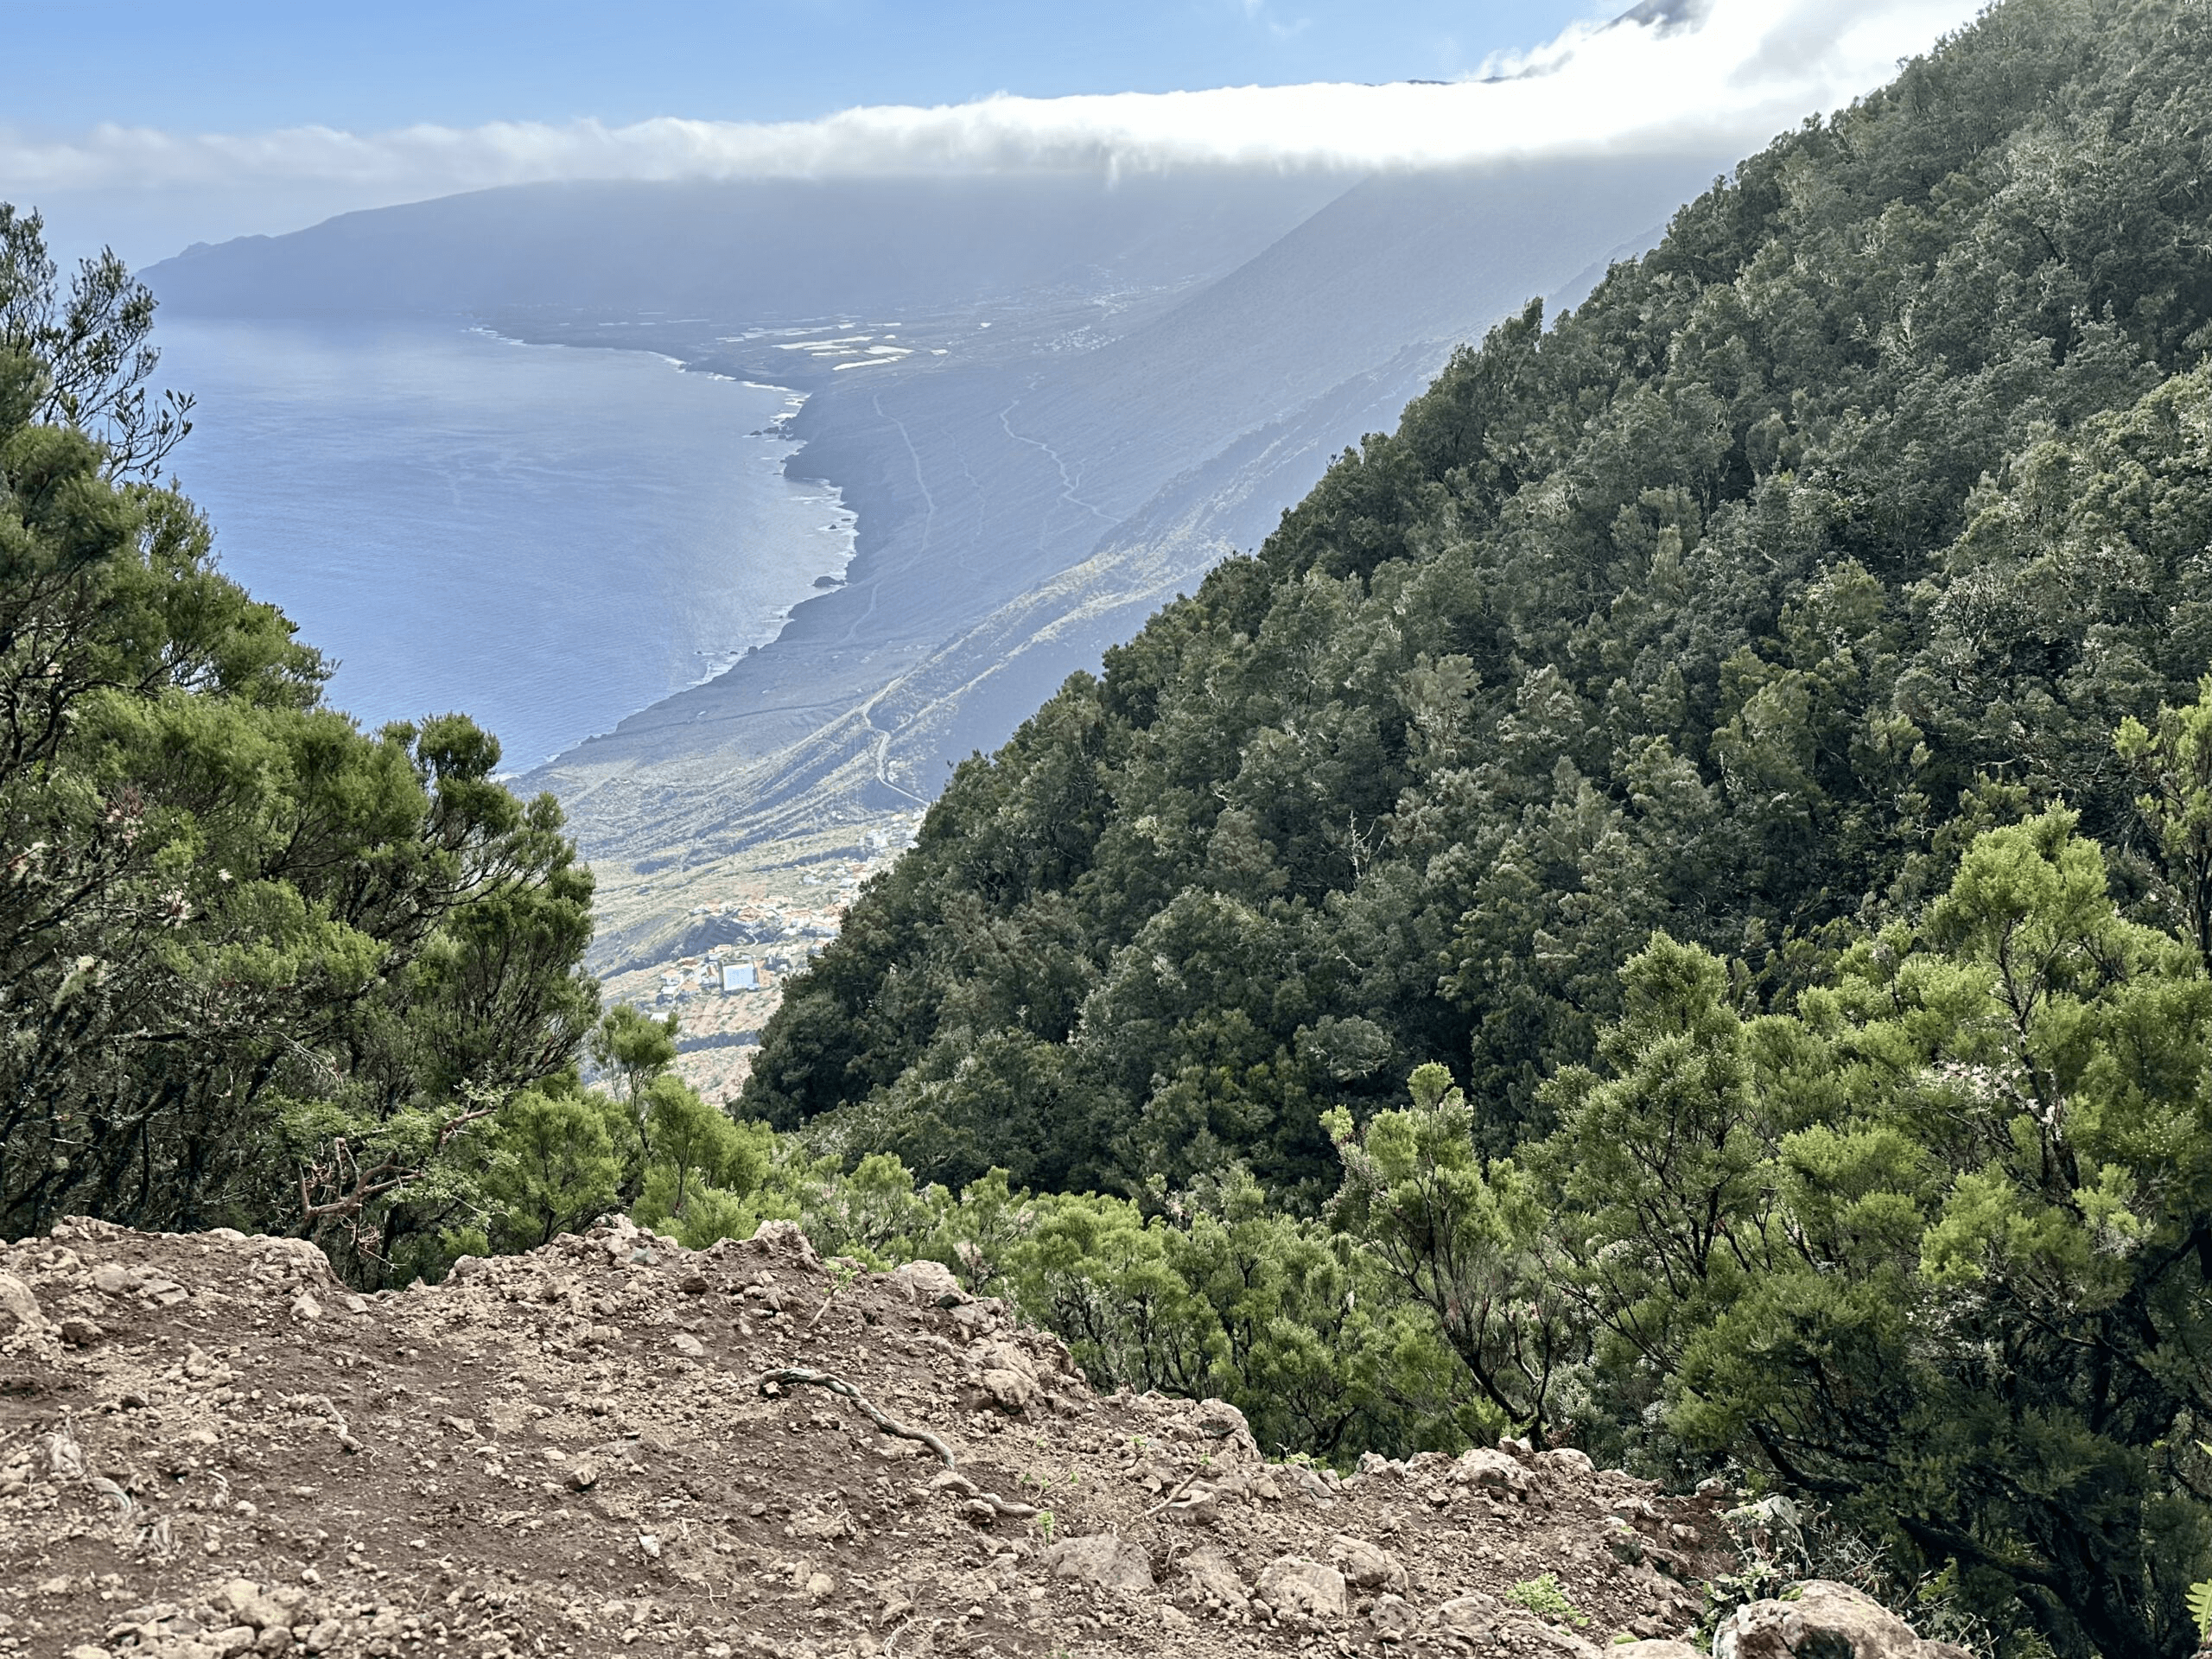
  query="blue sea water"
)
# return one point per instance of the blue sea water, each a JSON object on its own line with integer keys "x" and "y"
{"x": 545, "y": 537}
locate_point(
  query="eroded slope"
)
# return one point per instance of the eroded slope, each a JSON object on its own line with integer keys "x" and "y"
{"x": 208, "y": 1446}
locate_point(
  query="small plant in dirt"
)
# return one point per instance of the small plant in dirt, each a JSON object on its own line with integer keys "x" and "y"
{"x": 844, "y": 1273}
{"x": 1046, "y": 1484}
{"x": 1045, "y": 1523}
{"x": 1543, "y": 1596}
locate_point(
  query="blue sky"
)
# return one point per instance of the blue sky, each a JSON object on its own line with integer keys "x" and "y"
{"x": 242, "y": 65}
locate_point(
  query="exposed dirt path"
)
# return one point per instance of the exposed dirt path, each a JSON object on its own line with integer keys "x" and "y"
{"x": 208, "y": 1447}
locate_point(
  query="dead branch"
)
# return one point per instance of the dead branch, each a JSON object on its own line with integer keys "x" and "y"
{"x": 331, "y": 1175}
{"x": 793, "y": 1378}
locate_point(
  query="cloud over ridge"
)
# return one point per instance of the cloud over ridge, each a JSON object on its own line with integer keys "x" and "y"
{"x": 1739, "y": 71}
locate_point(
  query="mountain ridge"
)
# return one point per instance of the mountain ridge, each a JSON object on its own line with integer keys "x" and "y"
{"x": 1139, "y": 421}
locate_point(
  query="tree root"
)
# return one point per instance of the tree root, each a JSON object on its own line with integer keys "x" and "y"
{"x": 793, "y": 1378}
{"x": 967, "y": 1488}
{"x": 1180, "y": 1487}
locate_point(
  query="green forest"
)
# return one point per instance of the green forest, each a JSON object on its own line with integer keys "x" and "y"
{"x": 1667, "y": 909}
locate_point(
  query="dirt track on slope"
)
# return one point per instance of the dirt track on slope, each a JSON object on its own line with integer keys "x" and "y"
{"x": 209, "y": 1447}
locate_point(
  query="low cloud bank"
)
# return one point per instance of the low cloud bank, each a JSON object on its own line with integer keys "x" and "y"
{"x": 1732, "y": 72}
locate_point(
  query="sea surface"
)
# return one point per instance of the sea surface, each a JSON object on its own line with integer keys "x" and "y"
{"x": 547, "y": 538}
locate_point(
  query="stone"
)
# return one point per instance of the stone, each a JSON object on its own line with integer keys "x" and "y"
{"x": 1566, "y": 1460}
{"x": 1393, "y": 1619}
{"x": 1293, "y": 1584}
{"x": 1217, "y": 1420}
{"x": 88, "y": 1652}
{"x": 1497, "y": 1470}
{"x": 324, "y": 1635}
{"x": 1198, "y": 1506}
{"x": 1529, "y": 1635}
{"x": 688, "y": 1345}
{"x": 272, "y": 1640}
{"x": 1006, "y": 1373}
{"x": 264, "y": 1614}
{"x": 1470, "y": 1617}
{"x": 233, "y": 1639}
{"x": 306, "y": 1307}
{"x": 1101, "y": 1559}
{"x": 112, "y": 1279}
{"x": 584, "y": 1475}
{"x": 1660, "y": 1649}
{"x": 820, "y": 1585}
{"x": 785, "y": 1238}
{"x": 1213, "y": 1574}
{"x": 1823, "y": 1620}
{"x": 237, "y": 1592}
{"x": 18, "y": 1307}
{"x": 82, "y": 1333}
{"x": 1369, "y": 1566}
{"x": 974, "y": 1318}
{"x": 931, "y": 1284}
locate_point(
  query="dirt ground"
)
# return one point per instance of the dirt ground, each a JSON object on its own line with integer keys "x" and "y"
{"x": 210, "y": 1448}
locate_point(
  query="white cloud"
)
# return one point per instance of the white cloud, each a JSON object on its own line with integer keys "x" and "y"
{"x": 1749, "y": 69}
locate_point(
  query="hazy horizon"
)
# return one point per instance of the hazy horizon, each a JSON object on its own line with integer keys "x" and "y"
{"x": 135, "y": 162}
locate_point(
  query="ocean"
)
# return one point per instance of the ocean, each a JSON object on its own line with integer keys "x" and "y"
{"x": 545, "y": 537}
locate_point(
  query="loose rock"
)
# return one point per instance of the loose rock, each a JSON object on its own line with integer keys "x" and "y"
{"x": 1301, "y": 1586}
{"x": 1102, "y": 1560}
{"x": 1823, "y": 1620}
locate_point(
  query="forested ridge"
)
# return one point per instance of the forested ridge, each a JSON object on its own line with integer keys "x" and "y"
{"x": 1854, "y": 517}
{"x": 1743, "y": 749}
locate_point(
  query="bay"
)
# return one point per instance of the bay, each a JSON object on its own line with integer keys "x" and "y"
{"x": 545, "y": 538}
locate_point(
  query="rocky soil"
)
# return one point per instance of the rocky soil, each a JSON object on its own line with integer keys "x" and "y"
{"x": 208, "y": 1446}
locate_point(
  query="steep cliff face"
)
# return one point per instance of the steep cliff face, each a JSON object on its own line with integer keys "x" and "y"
{"x": 208, "y": 1446}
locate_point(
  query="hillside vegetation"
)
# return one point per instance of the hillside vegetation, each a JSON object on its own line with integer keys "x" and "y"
{"x": 1858, "y": 513}
{"x": 1664, "y": 912}
{"x": 1739, "y": 750}
{"x": 257, "y": 966}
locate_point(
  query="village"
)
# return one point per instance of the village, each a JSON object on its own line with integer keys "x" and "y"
{"x": 749, "y": 928}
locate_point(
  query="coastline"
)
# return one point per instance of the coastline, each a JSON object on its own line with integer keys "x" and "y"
{"x": 826, "y": 452}
{"x": 844, "y": 528}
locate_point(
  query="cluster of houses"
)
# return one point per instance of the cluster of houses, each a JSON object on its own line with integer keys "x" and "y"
{"x": 730, "y": 969}
{"x": 792, "y": 933}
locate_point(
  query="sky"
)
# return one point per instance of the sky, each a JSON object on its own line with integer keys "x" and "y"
{"x": 233, "y": 117}
{"x": 234, "y": 65}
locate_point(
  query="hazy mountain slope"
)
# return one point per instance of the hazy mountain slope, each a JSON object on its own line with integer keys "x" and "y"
{"x": 763, "y": 250}
{"x": 1017, "y": 517}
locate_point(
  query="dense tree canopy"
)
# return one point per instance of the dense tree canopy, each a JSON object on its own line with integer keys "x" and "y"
{"x": 1872, "y": 499}
{"x": 239, "y": 937}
